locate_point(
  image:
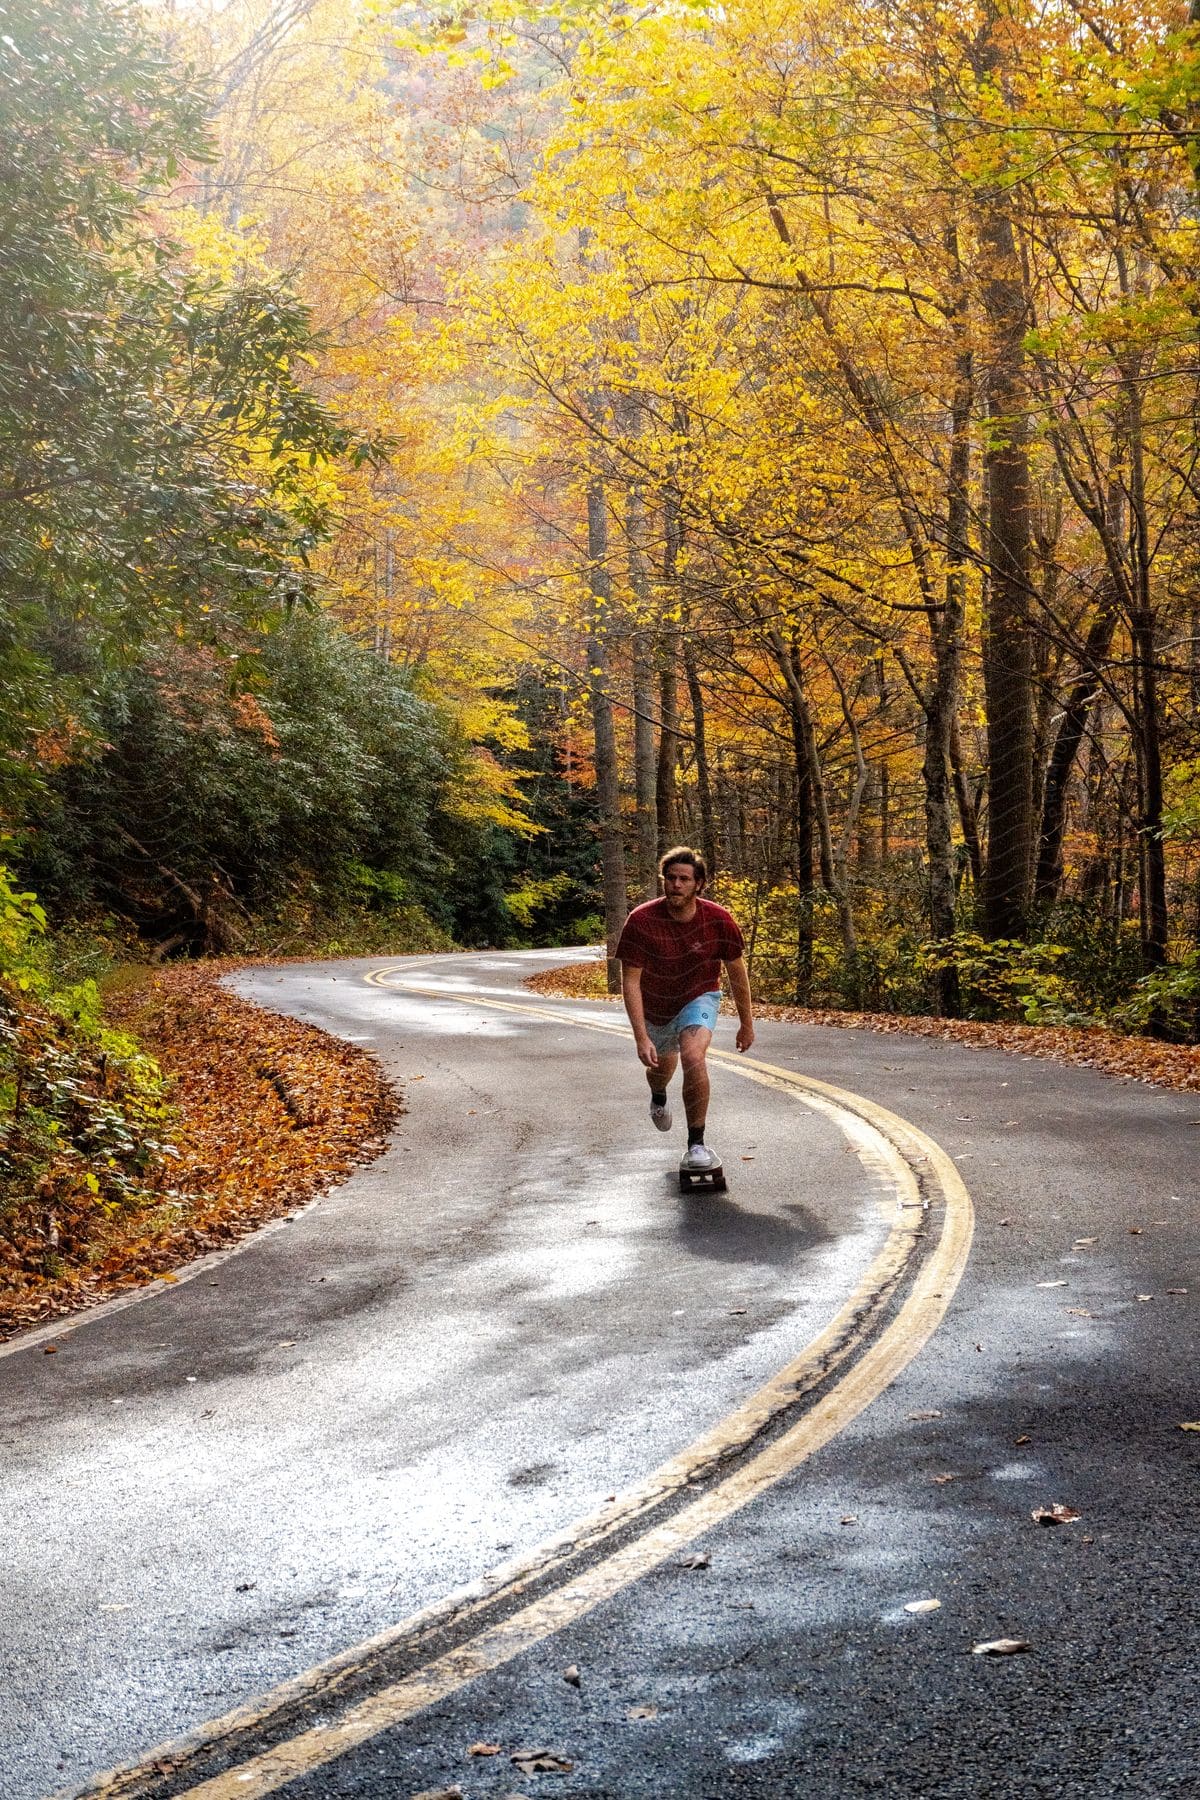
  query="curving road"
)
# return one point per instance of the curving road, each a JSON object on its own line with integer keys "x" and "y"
{"x": 511, "y": 1318}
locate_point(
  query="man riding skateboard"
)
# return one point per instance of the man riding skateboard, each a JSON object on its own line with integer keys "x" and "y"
{"x": 671, "y": 951}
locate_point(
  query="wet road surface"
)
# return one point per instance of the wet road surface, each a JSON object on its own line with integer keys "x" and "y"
{"x": 512, "y": 1315}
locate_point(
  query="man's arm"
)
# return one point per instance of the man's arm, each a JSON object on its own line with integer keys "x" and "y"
{"x": 739, "y": 987}
{"x": 631, "y": 994}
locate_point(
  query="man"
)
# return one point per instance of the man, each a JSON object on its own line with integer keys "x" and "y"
{"x": 671, "y": 951}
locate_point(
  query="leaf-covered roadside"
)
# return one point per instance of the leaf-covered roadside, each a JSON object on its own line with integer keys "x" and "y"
{"x": 264, "y": 1112}
{"x": 1129, "y": 1058}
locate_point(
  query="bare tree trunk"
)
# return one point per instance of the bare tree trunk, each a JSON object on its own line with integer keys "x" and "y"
{"x": 805, "y": 886}
{"x": 608, "y": 788}
{"x": 1007, "y": 637}
{"x": 1147, "y": 714}
{"x": 668, "y": 681}
{"x": 945, "y": 630}
{"x": 885, "y": 813}
{"x": 1152, "y": 868}
{"x": 668, "y": 746}
{"x": 941, "y": 711}
{"x": 1079, "y": 702}
{"x": 645, "y": 762}
{"x": 968, "y": 815}
{"x": 788, "y": 661}
{"x": 708, "y": 835}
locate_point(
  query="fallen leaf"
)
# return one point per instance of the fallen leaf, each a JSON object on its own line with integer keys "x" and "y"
{"x": 848, "y": 1519}
{"x": 641, "y": 1712}
{"x": 700, "y": 1560}
{"x": 169, "y": 1279}
{"x": 287, "y": 1344}
{"x": 1177, "y": 1290}
{"x": 941, "y": 1480}
{"x": 1050, "y": 1284}
{"x": 925, "y": 1415}
{"x": 571, "y": 1675}
{"x": 482, "y": 1749}
{"x": 1082, "y": 1243}
{"x": 49, "y": 1349}
{"x": 541, "y": 1762}
{"x": 1192, "y": 1425}
{"x": 1057, "y": 1514}
{"x": 1006, "y": 1221}
{"x": 1081, "y": 1312}
{"x": 1135, "y": 1231}
{"x": 1144, "y": 1296}
{"x": 922, "y": 1606}
{"x": 735, "y": 1311}
{"x": 1001, "y": 1647}
{"x": 1022, "y": 1440}
{"x": 244, "y": 1587}
{"x": 450, "y": 1793}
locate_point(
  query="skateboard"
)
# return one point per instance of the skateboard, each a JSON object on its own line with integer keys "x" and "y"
{"x": 702, "y": 1181}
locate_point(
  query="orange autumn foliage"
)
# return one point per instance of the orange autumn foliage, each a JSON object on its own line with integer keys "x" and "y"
{"x": 268, "y": 1112}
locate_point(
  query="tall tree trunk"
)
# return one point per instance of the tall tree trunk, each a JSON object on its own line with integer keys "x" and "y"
{"x": 805, "y": 884}
{"x": 668, "y": 743}
{"x": 788, "y": 662}
{"x": 708, "y": 835}
{"x": 645, "y": 761}
{"x": 942, "y": 703}
{"x": 968, "y": 812}
{"x": 1007, "y": 635}
{"x": 885, "y": 813}
{"x": 1147, "y": 714}
{"x": 1078, "y": 705}
{"x": 1152, "y": 869}
{"x": 608, "y": 788}
{"x": 668, "y": 678}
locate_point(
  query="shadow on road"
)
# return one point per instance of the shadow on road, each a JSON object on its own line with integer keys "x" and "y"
{"x": 717, "y": 1227}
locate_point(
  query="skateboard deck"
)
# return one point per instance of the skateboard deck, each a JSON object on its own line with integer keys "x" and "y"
{"x": 702, "y": 1181}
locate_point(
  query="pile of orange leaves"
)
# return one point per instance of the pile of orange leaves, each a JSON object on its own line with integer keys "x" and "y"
{"x": 267, "y": 1112}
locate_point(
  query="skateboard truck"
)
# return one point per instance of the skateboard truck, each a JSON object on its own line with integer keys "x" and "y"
{"x": 702, "y": 1181}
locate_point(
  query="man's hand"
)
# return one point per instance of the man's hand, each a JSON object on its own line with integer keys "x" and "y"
{"x": 648, "y": 1054}
{"x": 739, "y": 987}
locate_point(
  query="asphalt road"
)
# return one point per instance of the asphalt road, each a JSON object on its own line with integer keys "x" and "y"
{"x": 512, "y": 1315}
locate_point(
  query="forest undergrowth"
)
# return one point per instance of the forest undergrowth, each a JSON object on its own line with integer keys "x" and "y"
{"x": 1125, "y": 1056}
{"x": 171, "y": 1121}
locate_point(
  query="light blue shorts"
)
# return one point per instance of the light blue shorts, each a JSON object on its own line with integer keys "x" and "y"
{"x": 702, "y": 1010}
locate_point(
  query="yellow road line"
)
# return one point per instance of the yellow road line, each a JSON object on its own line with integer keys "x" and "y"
{"x": 904, "y": 1149}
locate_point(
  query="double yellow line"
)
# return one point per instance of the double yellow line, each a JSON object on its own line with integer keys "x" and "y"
{"x": 932, "y": 1209}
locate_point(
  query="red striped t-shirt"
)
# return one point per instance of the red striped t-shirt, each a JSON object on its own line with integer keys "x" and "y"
{"x": 678, "y": 962}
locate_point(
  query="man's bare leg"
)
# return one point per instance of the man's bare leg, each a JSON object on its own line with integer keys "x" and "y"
{"x": 659, "y": 1078}
{"x": 693, "y": 1049}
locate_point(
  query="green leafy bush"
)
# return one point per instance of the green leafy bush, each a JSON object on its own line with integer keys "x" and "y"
{"x": 84, "y": 1118}
{"x": 1167, "y": 1001}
